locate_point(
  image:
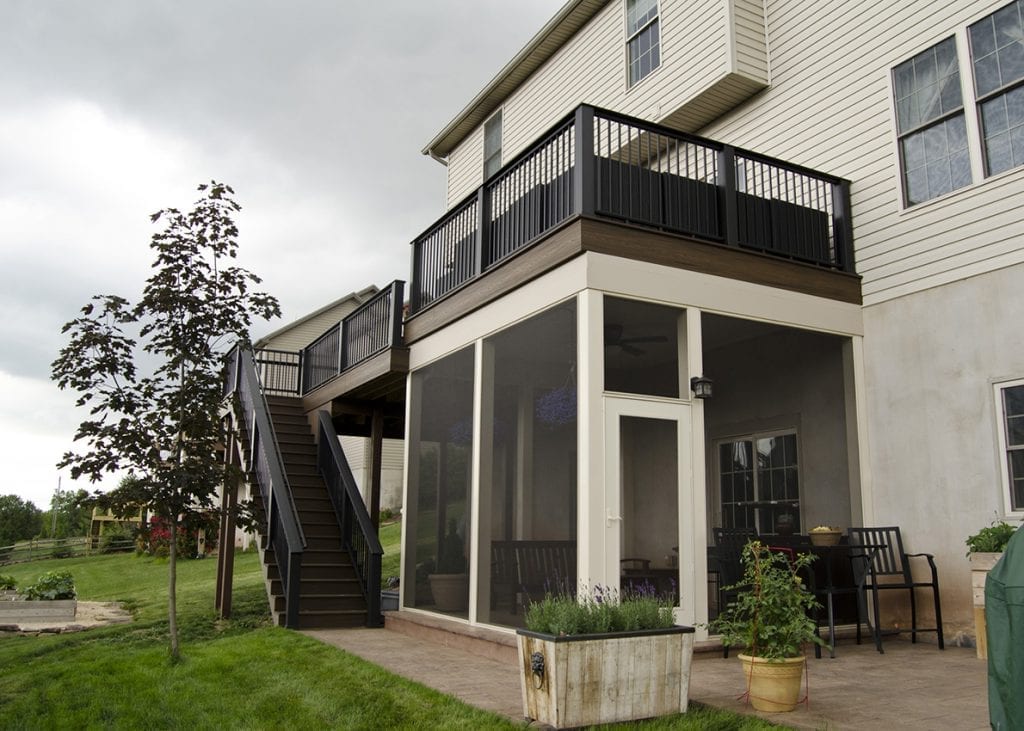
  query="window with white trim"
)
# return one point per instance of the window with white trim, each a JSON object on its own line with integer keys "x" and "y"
{"x": 492, "y": 145}
{"x": 759, "y": 482}
{"x": 997, "y": 55}
{"x": 931, "y": 124}
{"x": 643, "y": 39}
{"x": 935, "y": 139}
{"x": 1010, "y": 407}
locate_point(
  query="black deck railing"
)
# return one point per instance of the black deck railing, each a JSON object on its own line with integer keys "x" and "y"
{"x": 372, "y": 328}
{"x": 596, "y": 162}
{"x": 280, "y": 371}
{"x": 358, "y": 535}
{"x": 284, "y": 534}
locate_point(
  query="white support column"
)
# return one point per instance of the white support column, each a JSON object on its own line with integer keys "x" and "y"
{"x": 413, "y": 406}
{"x": 590, "y": 491}
{"x": 857, "y": 445}
{"x": 693, "y": 515}
{"x": 483, "y": 471}
{"x": 523, "y": 527}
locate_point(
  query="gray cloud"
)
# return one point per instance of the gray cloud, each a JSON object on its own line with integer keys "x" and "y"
{"x": 315, "y": 111}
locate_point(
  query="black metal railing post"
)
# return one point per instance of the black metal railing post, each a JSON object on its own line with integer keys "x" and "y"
{"x": 727, "y": 185}
{"x": 843, "y": 225}
{"x": 483, "y": 229}
{"x": 584, "y": 200}
{"x": 397, "y": 303}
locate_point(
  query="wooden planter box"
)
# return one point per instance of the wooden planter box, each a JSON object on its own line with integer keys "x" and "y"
{"x": 981, "y": 564}
{"x": 594, "y": 679}
{"x": 20, "y": 612}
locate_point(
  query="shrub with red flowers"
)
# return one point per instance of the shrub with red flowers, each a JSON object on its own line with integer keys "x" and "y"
{"x": 155, "y": 539}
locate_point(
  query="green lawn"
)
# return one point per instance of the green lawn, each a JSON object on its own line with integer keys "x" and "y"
{"x": 234, "y": 674}
{"x": 391, "y": 541}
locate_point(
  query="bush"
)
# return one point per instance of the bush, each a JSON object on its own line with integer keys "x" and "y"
{"x": 7, "y": 582}
{"x": 992, "y": 539}
{"x": 52, "y": 585}
{"x": 116, "y": 538}
{"x": 61, "y": 549}
{"x": 602, "y": 612}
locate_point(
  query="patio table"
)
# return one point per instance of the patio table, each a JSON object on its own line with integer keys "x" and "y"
{"x": 828, "y": 556}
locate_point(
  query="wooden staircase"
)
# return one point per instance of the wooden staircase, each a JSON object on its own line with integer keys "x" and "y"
{"x": 330, "y": 594}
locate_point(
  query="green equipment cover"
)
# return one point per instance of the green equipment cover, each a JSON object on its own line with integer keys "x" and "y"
{"x": 1004, "y": 616}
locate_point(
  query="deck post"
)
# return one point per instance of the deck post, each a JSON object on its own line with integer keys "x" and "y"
{"x": 727, "y": 184}
{"x": 842, "y": 225}
{"x": 226, "y": 550}
{"x": 376, "y": 456}
{"x": 583, "y": 185}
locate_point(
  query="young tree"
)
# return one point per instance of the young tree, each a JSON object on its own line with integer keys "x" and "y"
{"x": 151, "y": 373}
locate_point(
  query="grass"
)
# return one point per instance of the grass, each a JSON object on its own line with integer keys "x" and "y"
{"x": 240, "y": 673}
{"x": 391, "y": 541}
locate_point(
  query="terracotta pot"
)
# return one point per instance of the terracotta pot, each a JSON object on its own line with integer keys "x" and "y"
{"x": 774, "y": 685}
{"x": 451, "y": 592}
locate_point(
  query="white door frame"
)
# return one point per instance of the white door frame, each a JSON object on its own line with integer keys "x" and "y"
{"x": 616, "y": 407}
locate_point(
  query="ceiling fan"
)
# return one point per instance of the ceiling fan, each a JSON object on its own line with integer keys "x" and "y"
{"x": 613, "y": 339}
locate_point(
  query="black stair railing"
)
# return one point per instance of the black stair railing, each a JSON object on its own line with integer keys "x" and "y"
{"x": 358, "y": 535}
{"x": 284, "y": 533}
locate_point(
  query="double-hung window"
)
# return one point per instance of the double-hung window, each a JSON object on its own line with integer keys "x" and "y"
{"x": 759, "y": 483}
{"x": 931, "y": 123}
{"x": 643, "y": 39}
{"x": 997, "y": 56}
{"x": 936, "y": 136}
{"x": 1010, "y": 408}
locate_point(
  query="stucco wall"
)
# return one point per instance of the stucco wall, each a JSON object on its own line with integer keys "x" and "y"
{"x": 930, "y": 360}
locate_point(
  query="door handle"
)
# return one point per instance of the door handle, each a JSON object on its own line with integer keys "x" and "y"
{"x": 611, "y": 518}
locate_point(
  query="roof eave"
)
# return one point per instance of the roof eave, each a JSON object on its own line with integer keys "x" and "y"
{"x": 565, "y": 23}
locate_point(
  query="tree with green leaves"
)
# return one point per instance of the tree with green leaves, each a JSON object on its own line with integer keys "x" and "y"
{"x": 69, "y": 515}
{"x": 151, "y": 373}
{"x": 19, "y": 519}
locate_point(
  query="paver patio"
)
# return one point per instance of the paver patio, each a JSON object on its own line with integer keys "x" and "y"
{"x": 909, "y": 687}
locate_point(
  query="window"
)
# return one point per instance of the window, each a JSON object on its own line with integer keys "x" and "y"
{"x": 931, "y": 124}
{"x": 997, "y": 55}
{"x": 1010, "y": 407}
{"x": 935, "y": 141}
{"x": 759, "y": 483}
{"x": 643, "y": 46}
{"x": 492, "y": 145}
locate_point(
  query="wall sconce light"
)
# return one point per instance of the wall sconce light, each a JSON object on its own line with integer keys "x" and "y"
{"x": 701, "y": 386}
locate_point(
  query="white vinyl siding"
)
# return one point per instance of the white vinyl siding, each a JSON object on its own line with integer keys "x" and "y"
{"x": 751, "y": 44}
{"x": 698, "y": 78}
{"x": 831, "y": 81}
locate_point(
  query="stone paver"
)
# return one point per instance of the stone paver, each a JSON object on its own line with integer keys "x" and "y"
{"x": 908, "y": 687}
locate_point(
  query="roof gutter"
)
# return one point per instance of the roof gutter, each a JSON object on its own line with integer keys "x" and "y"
{"x": 574, "y": 14}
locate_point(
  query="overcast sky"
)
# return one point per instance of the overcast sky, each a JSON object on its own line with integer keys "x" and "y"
{"x": 315, "y": 111}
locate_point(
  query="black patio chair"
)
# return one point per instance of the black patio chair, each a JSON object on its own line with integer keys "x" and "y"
{"x": 889, "y": 568}
{"x": 726, "y": 560}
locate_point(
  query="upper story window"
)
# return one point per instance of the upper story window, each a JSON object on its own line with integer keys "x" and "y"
{"x": 492, "y": 145}
{"x": 1010, "y": 407}
{"x": 936, "y": 137}
{"x": 997, "y": 54}
{"x": 931, "y": 124}
{"x": 643, "y": 40}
